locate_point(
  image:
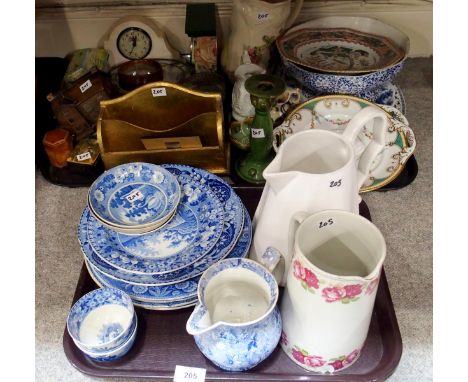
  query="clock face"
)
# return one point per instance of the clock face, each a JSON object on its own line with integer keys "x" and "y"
{"x": 134, "y": 43}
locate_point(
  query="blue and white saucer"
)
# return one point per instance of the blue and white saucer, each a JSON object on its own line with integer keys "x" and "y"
{"x": 191, "y": 234}
{"x": 233, "y": 224}
{"x": 134, "y": 196}
{"x": 173, "y": 296}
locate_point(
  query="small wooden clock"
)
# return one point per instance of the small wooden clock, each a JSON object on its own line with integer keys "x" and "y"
{"x": 135, "y": 38}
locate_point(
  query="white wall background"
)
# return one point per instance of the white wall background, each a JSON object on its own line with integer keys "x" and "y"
{"x": 65, "y": 25}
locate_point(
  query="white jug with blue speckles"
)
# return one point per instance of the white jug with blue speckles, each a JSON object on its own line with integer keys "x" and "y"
{"x": 236, "y": 323}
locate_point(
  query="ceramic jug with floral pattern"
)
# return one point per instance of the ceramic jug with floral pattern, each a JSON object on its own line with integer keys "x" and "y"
{"x": 331, "y": 287}
{"x": 255, "y": 24}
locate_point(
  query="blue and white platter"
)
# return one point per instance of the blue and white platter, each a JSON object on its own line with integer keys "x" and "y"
{"x": 233, "y": 224}
{"x": 191, "y": 234}
{"x": 134, "y": 196}
{"x": 173, "y": 296}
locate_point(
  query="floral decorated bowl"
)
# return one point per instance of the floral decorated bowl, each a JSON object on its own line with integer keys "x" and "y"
{"x": 134, "y": 196}
{"x": 334, "y": 83}
{"x": 118, "y": 352}
{"x": 102, "y": 320}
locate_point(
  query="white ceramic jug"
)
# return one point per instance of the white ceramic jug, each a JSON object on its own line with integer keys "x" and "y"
{"x": 331, "y": 287}
{"x": 314, "y": 170}
{"x": 255, "y": 24}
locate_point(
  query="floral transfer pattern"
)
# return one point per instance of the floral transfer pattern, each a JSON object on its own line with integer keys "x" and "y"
{"x": 332, "y": 293}
{"x": 318, "y": 363}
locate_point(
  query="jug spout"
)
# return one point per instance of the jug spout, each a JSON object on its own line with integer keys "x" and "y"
{"x": 275, "y": 177}
{"x": 199, "y": 321}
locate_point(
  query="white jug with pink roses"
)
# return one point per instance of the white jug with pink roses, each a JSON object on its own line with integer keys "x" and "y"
{"x": 331, "y": 287}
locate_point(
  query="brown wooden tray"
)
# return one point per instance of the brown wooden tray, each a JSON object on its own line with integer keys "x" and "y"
{"x": 162, "y": 342}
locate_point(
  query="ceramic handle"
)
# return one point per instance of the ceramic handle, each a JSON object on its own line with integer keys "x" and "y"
{"x": 293, "y": 15}
{"x": 379, "y": 131}
{"x": 274, "y": 261}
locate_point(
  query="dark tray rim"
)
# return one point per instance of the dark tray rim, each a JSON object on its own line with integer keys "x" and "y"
{"x": 387, "y": 321}
{"x": 391, "y": 337}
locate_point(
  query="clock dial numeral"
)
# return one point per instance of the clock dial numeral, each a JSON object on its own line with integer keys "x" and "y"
{"x": 134, "y": 43}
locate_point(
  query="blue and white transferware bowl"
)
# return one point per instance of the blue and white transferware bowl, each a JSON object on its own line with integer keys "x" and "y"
{"x": 114, "y": 354}
{"x": 191, "y": 233}
{"x": 173, "y": 296}
{"x": 233, "y": 225}
{"x": 324, "y": 83}
{"x": 236, "y": 324}
{"x": 101, "y": 320}
{"x": 328, "y": 83}
{"x": 134, "y": 196}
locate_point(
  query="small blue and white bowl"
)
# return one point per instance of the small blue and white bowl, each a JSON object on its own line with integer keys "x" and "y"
{"x": 102, "y": 320}
{"x": 116, "y": 353}
{"x": 134, "y": 197}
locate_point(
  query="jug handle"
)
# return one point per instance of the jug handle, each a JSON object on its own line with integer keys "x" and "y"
{"x": 274, "y": 261}
{"x": 377, "y": 144}
{"x": 293, "y": 15}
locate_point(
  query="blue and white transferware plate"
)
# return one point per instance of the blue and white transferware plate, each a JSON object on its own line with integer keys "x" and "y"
{"x": 166, "y": 305}
{"x": 134, "y": 195}
{"x": 233, "y": 224}
{"x": 167, "y": 295}
{"x": 191, "y": 234}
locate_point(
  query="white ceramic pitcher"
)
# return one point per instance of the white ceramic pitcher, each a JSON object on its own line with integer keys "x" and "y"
{"x": 331, "y": 287}
{"x": 314, "y": 170}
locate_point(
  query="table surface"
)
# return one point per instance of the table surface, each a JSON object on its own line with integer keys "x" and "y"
{"x": 404, "y": 216}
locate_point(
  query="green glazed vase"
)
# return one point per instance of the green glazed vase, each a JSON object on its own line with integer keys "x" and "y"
{"x": 263, "y": 89}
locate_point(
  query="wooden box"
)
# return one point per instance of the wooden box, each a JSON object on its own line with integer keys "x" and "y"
{"x": 163, "y": 110}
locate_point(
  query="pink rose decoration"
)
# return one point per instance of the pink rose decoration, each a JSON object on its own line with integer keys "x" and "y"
{"x": 372, "y": 285}
{"x": 298, "y": 355}
{"x": 350, "y": 358}
{"x": 333, "y": 294}
{"x": 337, "y": 365}
{"x": 310, "y": 279}
{"x": 305, "y": 275}
{"x": 298, "y": 270}
{"x": 353, "y": 290}
{"x": 314, "y": 361}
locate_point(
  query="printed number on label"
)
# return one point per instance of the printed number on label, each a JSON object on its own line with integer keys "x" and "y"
{"x": 325, "y": 223}
{"x": 258, "y": 133}
{"x": 189, "y": 374}
{"x": 84, "y": 156}
{"x": 335, "y": 184}
{"x": 263, "y": 16}
{"x": 85, "y": 86}
{"x": 134, "y": 195}
{"x": 158, "y": 92}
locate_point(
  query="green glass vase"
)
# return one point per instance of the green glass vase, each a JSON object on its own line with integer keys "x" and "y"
{"x": 263, "y": 89}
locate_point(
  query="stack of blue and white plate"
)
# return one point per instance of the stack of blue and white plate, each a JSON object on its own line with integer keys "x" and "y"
{"x": 151, "y": 231}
